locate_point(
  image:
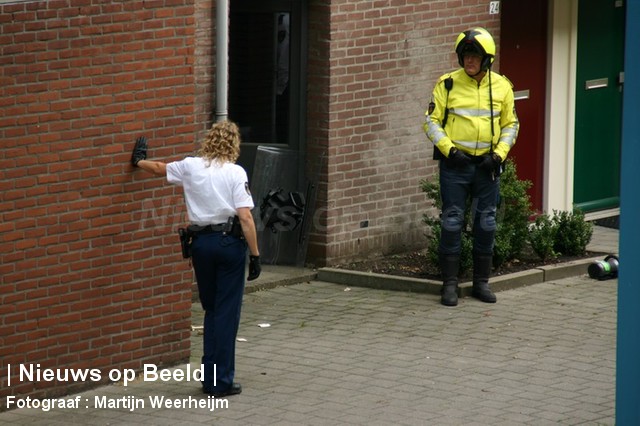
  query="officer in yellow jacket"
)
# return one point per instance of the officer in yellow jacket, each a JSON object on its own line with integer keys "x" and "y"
{"x": 473, "y": 125}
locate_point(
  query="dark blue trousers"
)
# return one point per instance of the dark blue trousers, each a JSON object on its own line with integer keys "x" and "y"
{"x": 219, "y": 265}
{"x": 456, "y": 186}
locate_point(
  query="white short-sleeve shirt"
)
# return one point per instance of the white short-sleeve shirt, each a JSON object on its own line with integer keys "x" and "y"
{"x": 213, "y": 191}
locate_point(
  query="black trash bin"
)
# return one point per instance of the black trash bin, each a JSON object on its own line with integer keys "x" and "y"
{"x": 276, "y": 169}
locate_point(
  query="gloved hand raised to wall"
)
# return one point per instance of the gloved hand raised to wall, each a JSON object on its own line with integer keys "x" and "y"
{"x": 139, "y": 151}
{"x": 254, "y": 268}
{"x": 457, "y": 158}
{"x": 490, "y": 162}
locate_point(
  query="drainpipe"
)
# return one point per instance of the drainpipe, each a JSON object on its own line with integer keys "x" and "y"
{"x": 222, "y": 56}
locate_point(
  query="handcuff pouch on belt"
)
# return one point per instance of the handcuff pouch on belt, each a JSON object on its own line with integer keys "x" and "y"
{"x": 232, "y": 227}
{"x": 185, "y": 242}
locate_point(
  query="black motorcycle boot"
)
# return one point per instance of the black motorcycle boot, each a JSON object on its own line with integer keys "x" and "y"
{"x": 482, "y": 264}
{"x": 449, "y": 264}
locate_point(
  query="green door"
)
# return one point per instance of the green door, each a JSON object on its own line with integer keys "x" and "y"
{"x": 599, "y": 77}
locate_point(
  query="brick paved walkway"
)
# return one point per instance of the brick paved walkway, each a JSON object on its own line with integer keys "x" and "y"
{"x": 544, "y": 354}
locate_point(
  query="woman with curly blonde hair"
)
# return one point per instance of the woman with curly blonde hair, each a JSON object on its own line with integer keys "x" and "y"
{"x": 216, "y": 192}
{"x": 222, "y": 143}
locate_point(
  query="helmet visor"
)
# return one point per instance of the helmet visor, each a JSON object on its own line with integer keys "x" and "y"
{"x": 471, "y": 49}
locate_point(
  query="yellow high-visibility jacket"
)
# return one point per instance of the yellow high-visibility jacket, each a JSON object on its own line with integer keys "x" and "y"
{"x": 468, "y": 125}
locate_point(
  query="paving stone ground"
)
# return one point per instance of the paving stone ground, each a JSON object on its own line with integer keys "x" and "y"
{"x": 543, "y": 355}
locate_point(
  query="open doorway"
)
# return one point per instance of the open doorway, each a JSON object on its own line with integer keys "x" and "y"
{"x": 266, "y": 77}
{"x": 267, "y": 100}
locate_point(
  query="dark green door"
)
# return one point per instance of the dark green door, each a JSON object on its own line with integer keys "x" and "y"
{"x": 598, "y": 127}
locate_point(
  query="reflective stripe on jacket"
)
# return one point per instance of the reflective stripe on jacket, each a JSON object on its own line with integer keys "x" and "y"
{"x": 468, "y": 125}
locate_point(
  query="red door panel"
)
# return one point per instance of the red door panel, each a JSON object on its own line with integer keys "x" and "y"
{"x": 523, "y": 60}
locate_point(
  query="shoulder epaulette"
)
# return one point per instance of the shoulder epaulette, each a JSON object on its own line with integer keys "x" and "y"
{"x": 508, "y": 81}
{"x": 505, "y": 78}
{"x": 443, "y": 78}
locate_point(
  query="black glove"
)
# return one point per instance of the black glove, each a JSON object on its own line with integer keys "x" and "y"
{"x": 254, "y": 267}
{"x": 490, "y": 162}
{"x": 457, "y": 159}
{"x": 139, "y": 151}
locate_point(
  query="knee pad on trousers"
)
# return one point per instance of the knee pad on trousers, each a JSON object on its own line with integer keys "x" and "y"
{"x": 452, "y": 219}
{"x": 485, "y": 221}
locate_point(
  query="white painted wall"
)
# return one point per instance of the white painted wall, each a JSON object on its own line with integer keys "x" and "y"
{"x": 559, "y": 138}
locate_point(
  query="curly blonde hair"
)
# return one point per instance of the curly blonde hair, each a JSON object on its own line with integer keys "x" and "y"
{"x": 222, "y": 143}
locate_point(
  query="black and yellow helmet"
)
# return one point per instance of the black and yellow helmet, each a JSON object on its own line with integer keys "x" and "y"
{"x": 479, "y": 41}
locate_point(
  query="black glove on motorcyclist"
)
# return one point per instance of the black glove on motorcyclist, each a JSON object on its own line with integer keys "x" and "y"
{"x": 139, "y": 151}
{"x": 490, "y": 162}
{"x": 254, "y": 268}
{"x": 457, "y": 158}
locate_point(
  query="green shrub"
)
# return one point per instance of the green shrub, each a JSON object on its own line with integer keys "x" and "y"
{"x": 542, "y": 237}
{"x": 573, "y": 232}
{"x": 503, "y": 248}
{"x": 514, "y": 211}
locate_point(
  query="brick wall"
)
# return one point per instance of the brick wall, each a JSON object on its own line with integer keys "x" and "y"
{"x": 91, "y": 271}
{"x": 318, "y": 101}
{"x": 204, "y": 66}
{"x": 383, "y": 60}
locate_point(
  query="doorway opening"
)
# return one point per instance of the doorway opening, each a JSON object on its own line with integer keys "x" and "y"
{"x": 266, "y": 76}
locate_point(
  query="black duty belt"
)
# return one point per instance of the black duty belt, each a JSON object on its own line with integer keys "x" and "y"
{"x": 206, "y": 229}
{"x": 475, "y": 159}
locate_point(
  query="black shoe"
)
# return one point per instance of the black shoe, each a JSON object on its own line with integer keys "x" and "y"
{"x": 449, "y": 295}
{"x": 483, "y": 293}
{"x": 234, "y": 389}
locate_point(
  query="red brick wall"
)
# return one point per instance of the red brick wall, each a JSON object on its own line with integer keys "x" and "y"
{"x": 204, "y": 66}
{"x": 91, "y": 270}
{"x": 318, "y": 126}
{"x": 374, "y": 65}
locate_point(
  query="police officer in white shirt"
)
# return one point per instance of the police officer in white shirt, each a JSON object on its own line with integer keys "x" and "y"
{"x": 215, "y": 190}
